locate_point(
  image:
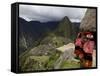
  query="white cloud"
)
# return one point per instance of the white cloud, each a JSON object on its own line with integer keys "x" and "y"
{"x": 50, "y": 13}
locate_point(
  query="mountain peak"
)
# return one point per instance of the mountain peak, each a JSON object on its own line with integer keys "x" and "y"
{"x": 64, "y": 27}
{"x": 66, "y": 19}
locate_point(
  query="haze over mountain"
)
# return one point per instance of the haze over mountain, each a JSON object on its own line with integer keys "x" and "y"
{"x": 50, "y": 13}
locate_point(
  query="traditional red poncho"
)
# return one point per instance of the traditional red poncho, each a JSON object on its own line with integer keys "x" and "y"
{"x": 78, "y": 42}
{"x": 88, "y": 46}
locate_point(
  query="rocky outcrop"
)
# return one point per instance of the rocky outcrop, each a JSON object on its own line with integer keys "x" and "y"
{"x": 89, "y": 21}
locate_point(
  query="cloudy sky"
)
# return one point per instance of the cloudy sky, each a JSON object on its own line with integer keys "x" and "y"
{"x": 50, "y": 13}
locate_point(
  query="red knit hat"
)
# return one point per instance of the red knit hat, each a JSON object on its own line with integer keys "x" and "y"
{"x": 86, "y": 33}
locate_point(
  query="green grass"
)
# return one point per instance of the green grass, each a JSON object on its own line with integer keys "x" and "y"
{"x": 40, "y": 58}
{"x": 34, "y": 63}
{"x": 52, "y": 60}
{"x": 70, "y": 64}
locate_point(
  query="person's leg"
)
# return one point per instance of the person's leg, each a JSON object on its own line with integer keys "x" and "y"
{"x": 88, "y": 64}
{"x": 82, "y": 60}
{"x": 88, "y": 61}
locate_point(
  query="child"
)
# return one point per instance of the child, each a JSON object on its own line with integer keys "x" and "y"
{"x": 78, "y": 44}
{"x": 88, "y": 48}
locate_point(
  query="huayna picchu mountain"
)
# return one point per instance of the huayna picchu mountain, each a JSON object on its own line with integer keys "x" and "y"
{"x": 64, "y": 27}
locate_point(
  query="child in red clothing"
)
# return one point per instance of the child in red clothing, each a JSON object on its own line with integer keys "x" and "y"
{"x": 84, "y": 45}
{"x": 78, "y": 45}
{"x": 88, "y": 49}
